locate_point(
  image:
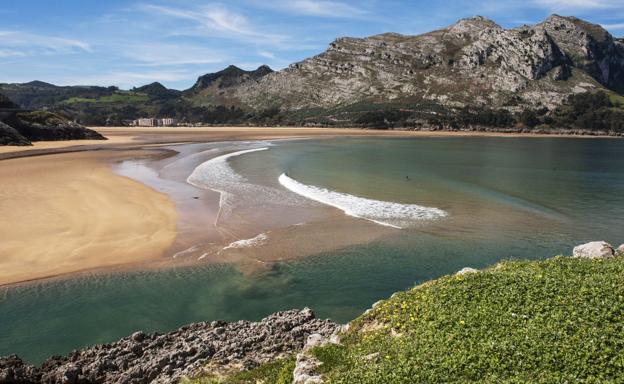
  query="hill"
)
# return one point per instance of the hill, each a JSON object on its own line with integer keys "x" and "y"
{"x": 21, "y": 127}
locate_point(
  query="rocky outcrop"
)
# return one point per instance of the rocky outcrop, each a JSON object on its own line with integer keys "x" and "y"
{"x": 594, "y": 250}
{"x": 166, "y": 358}
{"x": 466, "y": 271}
{"x": 5, "y": 102}
{"x": 588, "y": 47}
{"x": 40, "y": 125}
{"x": 10, "y": 136}
{"x": 307, "y": 365}
{"x": 620, "y": 250}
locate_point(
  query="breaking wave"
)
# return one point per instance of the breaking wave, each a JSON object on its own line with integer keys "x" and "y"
{"x": 385, "y": 213}
{"x": 261, "y": 239}
{"x": 235, "y": 190}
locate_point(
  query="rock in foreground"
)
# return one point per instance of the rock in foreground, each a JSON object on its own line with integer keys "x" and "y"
{"x": 594, "y": 250}
{"x": 166, "y": 358}
{"x": 40, "y": 126}
{"x": 10, "y": 136}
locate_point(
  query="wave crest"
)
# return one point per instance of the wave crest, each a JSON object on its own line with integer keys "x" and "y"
{"x": 390, "y": 214}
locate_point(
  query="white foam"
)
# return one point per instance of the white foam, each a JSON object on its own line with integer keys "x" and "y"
{"x": 385, "y": 213}
{"x": 261, "y": 239}
{"x": 217, "y": 175}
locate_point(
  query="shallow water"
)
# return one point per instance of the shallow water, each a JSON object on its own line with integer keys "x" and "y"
{"x": 504, "y": 198}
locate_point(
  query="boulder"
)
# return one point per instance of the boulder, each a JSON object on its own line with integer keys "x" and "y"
{"x": 620, "y": 250}
{"x": 594, "y": 250}
{"x": 466, "y": 270}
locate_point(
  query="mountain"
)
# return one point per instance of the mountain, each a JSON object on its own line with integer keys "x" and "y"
{"x": 473, "y": 74}
{"x": 158, "y": 91}
{"x": 212, "y": 88}
{"x": 472, "y": 62}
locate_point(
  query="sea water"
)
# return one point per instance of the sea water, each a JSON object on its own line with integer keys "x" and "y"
{"x": 438, "y": 204}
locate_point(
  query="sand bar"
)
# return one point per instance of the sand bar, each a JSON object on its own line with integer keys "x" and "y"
{"x": 67, "y": 213}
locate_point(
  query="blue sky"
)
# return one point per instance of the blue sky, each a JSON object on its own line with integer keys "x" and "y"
{"x": 131, "y": 43}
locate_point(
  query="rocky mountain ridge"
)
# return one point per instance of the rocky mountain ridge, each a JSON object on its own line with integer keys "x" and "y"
{"x": 388, "y": 80}
{"x": 474, "y": 61}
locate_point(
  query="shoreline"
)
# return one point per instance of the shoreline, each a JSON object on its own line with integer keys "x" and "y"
{"x": 132, "y": 144}
{"x": 140, "y": 137}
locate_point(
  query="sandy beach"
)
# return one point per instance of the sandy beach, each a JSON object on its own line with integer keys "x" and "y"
{"x": 64, "y": 210}
{"x": 68, "y": 213}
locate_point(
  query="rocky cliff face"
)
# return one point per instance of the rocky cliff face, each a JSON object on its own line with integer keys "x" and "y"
{"x": 472, "y": 62}
{"x": 166, "y": 358}
{"x": 588, "y": 47}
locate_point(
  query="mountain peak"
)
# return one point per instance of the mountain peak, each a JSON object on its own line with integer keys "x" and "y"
{"x": 472, "y": 25}
{"x": 156, "y": 89}
{"x": 572, "y": 25}
{"x": 152, "y": 86}
{"x": 231, "y": 75}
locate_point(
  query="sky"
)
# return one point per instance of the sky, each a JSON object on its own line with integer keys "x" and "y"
{"x": 132, "y": 43}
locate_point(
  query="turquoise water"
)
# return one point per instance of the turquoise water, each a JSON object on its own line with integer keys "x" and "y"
{"x": 505, "y": 198}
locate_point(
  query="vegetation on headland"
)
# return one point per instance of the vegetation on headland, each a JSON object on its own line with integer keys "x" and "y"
{"x": 557, "y": 320}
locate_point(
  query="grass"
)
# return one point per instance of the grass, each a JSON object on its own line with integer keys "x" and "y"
{"x": 277, "y": 372}
{"x": 616, "y": 99}
{"x": 115, "y": 98}
{"x": 559, "y": 320}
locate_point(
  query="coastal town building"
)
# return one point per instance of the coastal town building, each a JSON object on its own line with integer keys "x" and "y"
{"x": 152, "y": 122}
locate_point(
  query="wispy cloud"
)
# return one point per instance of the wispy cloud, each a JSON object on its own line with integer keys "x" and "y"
{"x": 154, "y": 55}
{"x": 616, "y": 27}
{"x": 126, "y": 78}
{"x": 217, "y": 19}
{"x": 578, "y": 4}
{"x": 332, "y": 9}
{"x": 21, "y": 44}
{"x": 267, "y": 54}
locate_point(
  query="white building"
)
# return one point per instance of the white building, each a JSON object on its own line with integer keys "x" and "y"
{"x": 168, "y": 121}
{"x": 146, "y": 122}
{"x": 151, "y": 122}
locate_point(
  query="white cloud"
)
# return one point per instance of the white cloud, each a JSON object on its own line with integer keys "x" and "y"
{"x": 125, "y": 79}
{"x": 578, "y": 4}
{"x": 172, "y": 54}
{"x": 613, "y": 26}
{"x": 217, "y": 18}
{"x": 11, "y": 53}
{"x": 16, "y": 43}
{"x": 267, "y": 54}
{"x": 319, "y": 8}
